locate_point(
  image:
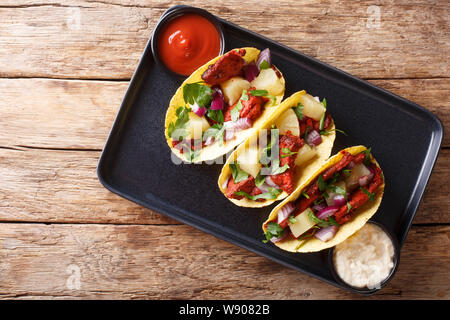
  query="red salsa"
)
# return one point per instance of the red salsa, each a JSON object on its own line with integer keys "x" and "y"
{"x": 188, "y": 42}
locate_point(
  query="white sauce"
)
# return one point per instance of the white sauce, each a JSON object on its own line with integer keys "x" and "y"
{"x": 366, "y": 258}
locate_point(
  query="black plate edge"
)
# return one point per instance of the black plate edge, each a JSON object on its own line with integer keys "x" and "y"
{"x": 425, "y": 173}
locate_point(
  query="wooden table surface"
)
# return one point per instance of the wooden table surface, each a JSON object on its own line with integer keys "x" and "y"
{"x": 64, "y": 68}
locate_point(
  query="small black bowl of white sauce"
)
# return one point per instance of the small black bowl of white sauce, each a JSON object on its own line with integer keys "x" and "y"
{"x": 366, "y": 261}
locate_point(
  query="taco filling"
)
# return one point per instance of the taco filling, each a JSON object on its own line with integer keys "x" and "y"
{"x": 292, "y": 141}
{"x": 329, "y": 201}
{"x": 232, "y": 95}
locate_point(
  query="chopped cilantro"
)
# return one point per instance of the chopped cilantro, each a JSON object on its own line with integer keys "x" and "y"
{"x": 334, "y": 178}
{"x": 324, "y": 102}
{"x": 347, "y": 172}
{"x": 191, "y": 155}
{"x": 333, "y": 222}
{"x": 306, "y": 135}
{"x": 266, "y": 153}
{"x": 236, "y": 111}
{"x": 273, "y": 230}
{"x": 318, "y": 201}
{"x": 320, "y": 222}
{"x": 299, "y": 110}
{"x": 322, "y": 120}
{"x": 337, "y": 189}
{"x": 259, "y": 93}
{"x": 292, "y": 219}
{"x": 263, "y": 93}
{"x": 216, "y": 131}
{"x": 327, "y": 132}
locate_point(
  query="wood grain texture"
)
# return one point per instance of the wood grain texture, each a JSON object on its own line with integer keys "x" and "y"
{"x": 135, "y": 262}
{"x": 62, "y": 186}
{"x": 104, "y": 39}
{"x": 79, "y": 114}
{"x": 55, "y": 217}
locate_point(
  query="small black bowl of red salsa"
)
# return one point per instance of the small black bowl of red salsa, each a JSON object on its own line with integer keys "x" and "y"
{"x": 185, "y": 38}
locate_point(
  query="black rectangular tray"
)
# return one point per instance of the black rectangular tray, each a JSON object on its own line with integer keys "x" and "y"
{"x": 136, "y": 161}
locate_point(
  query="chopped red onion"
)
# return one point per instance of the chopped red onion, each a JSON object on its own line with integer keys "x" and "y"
{"x": 200, "y": 111}
{"x": 314, "y": 138}
{"x": 271, "y": 183}
{"x": 351, "y": 165}
{"x": 326, "y": 234}
{"x": 263, "y": 188}
{"x": 218, "y": 102}
{"x": 319, "y": 207}
{"x": 285, "y": 211}
{"x": 326, "y": 212}
{"x": 264, "y": 55}
{"x": 251, "y": 71}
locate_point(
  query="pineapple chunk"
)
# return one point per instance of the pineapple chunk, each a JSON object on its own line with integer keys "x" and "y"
{"x": 311, "y": 107}
{"x": 357, "y": 172}
{"x": 232, "y": 89}
{"x": 302, "y": 224}
{"x": 288, "y": 121}
{"x": 305, "y": 154}
{"x": 268, "y": 80}
{"x": 248, "y": 160}
{"x": 196, "y": 126}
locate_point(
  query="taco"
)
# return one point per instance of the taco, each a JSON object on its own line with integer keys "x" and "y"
{"x": 330, "y": 206}
{"x": 221, "y": 104}
{"x": 289, "y": 147}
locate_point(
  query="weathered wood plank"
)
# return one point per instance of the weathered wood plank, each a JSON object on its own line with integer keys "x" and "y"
{"x": 62, "y": 186}
{"x": 79, "y": 114}
{"x": 58, "y": 114}
{"x": 104, "y": 39}
{"x": 42, "y": 261}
